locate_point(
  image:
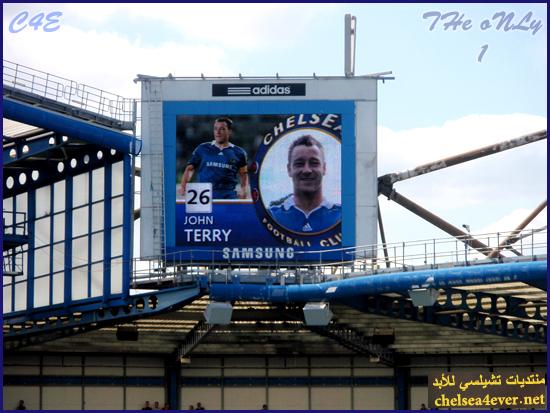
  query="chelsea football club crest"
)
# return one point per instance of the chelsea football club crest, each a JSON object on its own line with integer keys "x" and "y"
{"x": 295, "y": 180}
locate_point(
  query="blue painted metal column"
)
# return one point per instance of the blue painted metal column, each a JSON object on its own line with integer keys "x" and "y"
{"x": 89, "y": 234}
{"x": 402, "y": 388}
{"x": 68, "y": 273}
{"x": 172, "y": 372}
{"x": 14, "y": 209}
{"x": 52, "y": 197}
{"x": 107, "y": 233}
{"x": 127, "y": 225}
{"x": 31, "y": 218}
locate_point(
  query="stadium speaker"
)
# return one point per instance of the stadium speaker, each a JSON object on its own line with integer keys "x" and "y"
{"x": 218, "y": 313}
{"x": 424, "y": 296}
{"x": 129, "y": 333}
{"x": 317, "y": 314}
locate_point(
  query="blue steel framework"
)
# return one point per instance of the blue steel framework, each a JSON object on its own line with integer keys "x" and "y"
{"x": 68, "y": 183}
{"x": 56, "y": 322}
{"x": 43, "y": 255}
{"x": 72, "y": 182}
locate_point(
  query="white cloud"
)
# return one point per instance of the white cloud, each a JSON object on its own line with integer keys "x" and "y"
{"x": 514, "y": 218}
{"x": 102, "y": 45}
{"x": 107, "y": 60}
{"x": 235, "y": 26}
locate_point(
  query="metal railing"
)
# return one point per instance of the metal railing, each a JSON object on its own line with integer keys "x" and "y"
{"x": 433, "y": 253}
{"x": 67, "y": 92}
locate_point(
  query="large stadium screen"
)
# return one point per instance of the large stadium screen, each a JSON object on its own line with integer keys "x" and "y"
{"x": 263, "y": 172}
{"x": 258, "y": 187}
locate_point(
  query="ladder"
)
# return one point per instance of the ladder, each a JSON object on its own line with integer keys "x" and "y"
{"x": 157, "y": 172}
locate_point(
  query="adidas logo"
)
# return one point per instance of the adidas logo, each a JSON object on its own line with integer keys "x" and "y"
{"x": 220, "y": 154}
{"x": 267, "y": 90}
{"x": 307, "y": 227}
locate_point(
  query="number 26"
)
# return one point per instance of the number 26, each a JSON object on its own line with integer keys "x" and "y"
{"x": 204, "y": 198}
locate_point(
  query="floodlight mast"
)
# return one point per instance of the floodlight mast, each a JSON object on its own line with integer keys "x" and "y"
{"x": 350, "y": 31}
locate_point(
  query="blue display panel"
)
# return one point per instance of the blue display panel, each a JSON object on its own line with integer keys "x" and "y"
{"x": 259, "y": 181}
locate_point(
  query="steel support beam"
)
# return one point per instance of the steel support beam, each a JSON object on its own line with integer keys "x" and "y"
{"x": 462, "y": 316}
{"x": 390, "y": 179}
{"x": 69, "y": 109}
{"x": 383, "y": 235}
{"x": 437, "y": 221}
{"x": 382, "y": 283}
{"x": 15, "y": 150}
{"x": 513, "y": 237}
{"x": 70, "y": 126}
{"x": 491, "y": 303}
{"x": 49, "y": 173}
{"x": 22, "y": 330}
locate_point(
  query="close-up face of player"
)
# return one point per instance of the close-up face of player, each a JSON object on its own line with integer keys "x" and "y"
{"x": 306, "y": 167}
{"x": 222, "y": 133}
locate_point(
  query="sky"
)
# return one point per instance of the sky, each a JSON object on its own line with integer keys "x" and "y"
{"x": 456, "y": 88}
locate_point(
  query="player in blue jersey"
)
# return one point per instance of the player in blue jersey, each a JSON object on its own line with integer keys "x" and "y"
{"x": 306, "y": 210}
{"x": 219, "y": 162}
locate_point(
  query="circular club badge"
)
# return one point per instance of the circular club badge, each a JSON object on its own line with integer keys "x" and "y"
{"x": 296, "y": 181}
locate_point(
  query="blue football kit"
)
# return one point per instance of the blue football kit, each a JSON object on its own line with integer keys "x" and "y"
{"x": 293, "y": 218}
{"x": 219, "y": 166}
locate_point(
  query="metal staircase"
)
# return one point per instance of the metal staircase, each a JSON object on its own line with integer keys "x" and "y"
{"x": 354, "y": 340}
{"x": 193, "y": 338}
